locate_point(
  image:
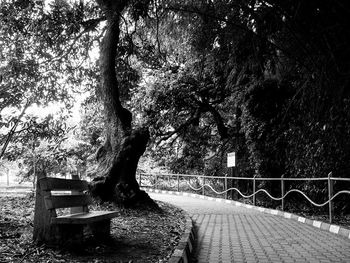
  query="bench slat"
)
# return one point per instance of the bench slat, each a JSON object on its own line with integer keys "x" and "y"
{"x": 63, "y": 201}
{"x": 84, "y": 218}
{"x": 58, "y": 184}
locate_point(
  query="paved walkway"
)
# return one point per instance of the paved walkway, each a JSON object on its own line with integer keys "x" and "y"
{"x": 227, "y": 233}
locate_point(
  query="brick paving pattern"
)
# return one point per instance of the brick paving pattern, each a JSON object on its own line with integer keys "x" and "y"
{"x": 227, "y": 233}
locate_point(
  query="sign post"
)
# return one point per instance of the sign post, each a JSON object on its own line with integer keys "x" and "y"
{"x": 231, "y": 163}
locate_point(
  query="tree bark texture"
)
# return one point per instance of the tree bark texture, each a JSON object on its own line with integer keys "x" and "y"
{"x": 123, "y": 147}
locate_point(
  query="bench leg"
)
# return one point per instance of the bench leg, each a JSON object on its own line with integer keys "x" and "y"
{"x": 70, "y": 234}
{"x": 101, "y": 229}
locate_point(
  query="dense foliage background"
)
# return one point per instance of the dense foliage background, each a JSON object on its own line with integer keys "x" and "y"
{"x": 266, "y": 79}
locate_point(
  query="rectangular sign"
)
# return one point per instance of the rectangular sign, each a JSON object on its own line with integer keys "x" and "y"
{"x": 231, "y": 159}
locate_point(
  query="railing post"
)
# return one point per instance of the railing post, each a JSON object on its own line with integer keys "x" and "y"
{"x": 234, "y": 173}
{"x": 330, "y": 195}
{"x": 282, "y": 191}
{"x": 203, "y": 190}
{"x": 178, "y": 183}
{"x": 140, "y": 180}
{"x": 225, "y": 186}
{"x": 254, "y": 188}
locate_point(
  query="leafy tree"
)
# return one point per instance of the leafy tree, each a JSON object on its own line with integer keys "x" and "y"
{"x": 201, "y": 78}
{"x": 275, "y": 73}
{"x": 124, "y": 144}
{"x": 46, "y": 57}
{"x": 42, "y": 49}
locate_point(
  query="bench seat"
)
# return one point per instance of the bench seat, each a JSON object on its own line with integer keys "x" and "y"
{"x": 84, "y": 218}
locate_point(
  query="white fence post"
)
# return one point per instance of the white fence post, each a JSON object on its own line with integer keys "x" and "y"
{"x": 330, "y": 195}
{"x": 254, "y": 190}
{"x": 203, "y": 190}
{"x": 282, "y": 191}
{"x": 226, "y": 186}
{"x": 178, "y": 183}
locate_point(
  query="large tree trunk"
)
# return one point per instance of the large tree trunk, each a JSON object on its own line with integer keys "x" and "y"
{"x": 123, "y": 147}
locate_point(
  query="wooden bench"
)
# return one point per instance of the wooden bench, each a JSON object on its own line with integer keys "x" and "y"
{"x": 53, "y": 228}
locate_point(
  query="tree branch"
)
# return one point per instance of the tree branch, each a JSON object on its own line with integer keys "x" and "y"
{"x": 13, "y": 130}
{"x": 206, "y": 107}
{"x": 184, "y": 125}
{"x": 66, "y": 51}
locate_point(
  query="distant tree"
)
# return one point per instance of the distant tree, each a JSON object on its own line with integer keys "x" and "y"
{"x": 42, "y": 53}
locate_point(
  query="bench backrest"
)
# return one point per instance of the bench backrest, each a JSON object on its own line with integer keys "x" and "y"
{"x": 56, "y": 194}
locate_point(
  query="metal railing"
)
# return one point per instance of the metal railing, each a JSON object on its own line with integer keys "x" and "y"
{"x": 175, "y": 180}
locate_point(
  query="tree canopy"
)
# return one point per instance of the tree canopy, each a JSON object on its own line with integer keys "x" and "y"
{"x": 267, "y": 79}
{"x": 264, "y": 78}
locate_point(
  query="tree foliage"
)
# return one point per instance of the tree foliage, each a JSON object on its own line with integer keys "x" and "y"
{"x": 264, "y": 78}
{"x": 44, "y": 48}
{"x": 267, "y": 79}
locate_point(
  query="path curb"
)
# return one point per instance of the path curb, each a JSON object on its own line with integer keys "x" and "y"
{"x": 335, "y": 229}
{"x": 184, "y": 249}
